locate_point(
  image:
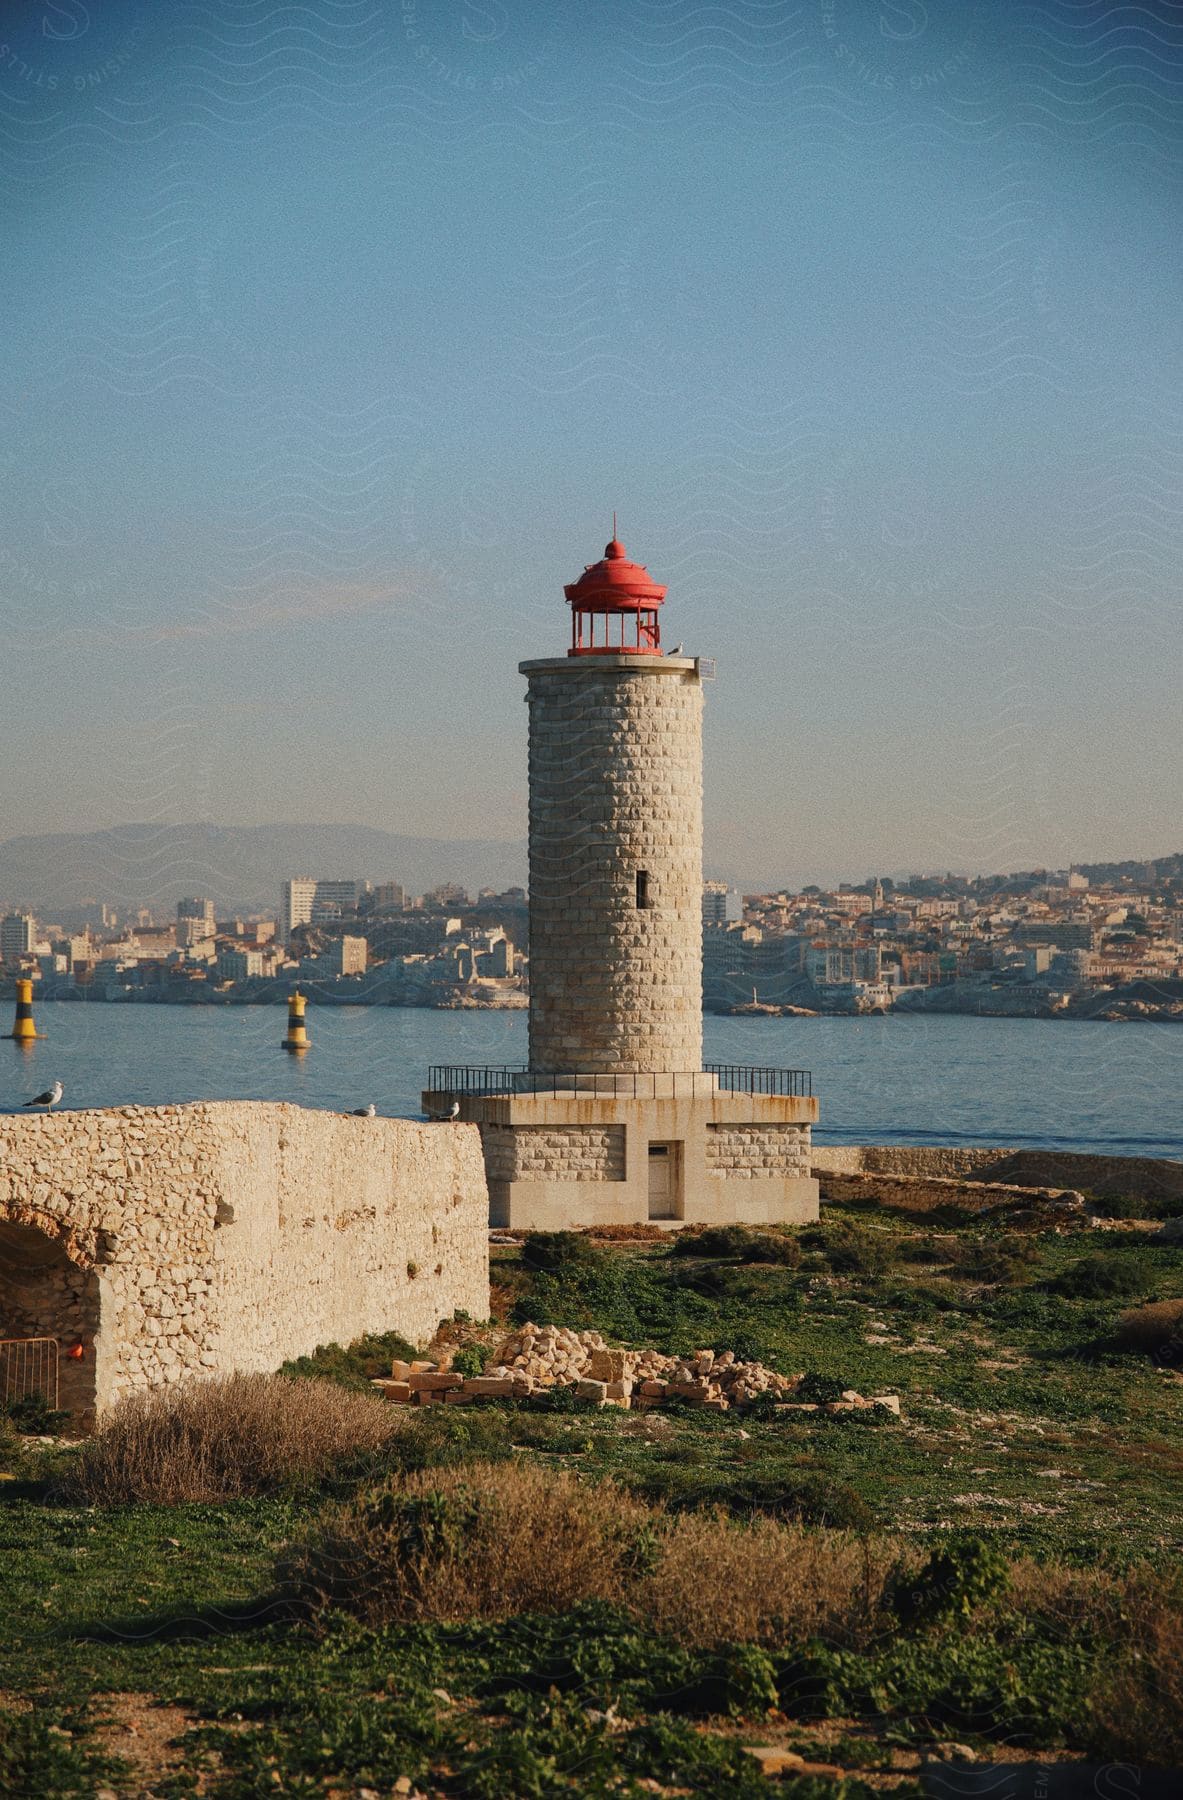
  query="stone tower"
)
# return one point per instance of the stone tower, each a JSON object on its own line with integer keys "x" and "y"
{"x": 615, "y": 837}
{"x": 615, "y": 1119}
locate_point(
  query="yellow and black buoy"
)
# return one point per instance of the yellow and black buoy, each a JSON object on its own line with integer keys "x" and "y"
{"x": 24, "y": 1031}
{"x": 297, "y": 1037}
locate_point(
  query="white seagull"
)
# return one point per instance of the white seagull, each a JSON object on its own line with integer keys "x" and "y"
{"x": 49, "y": 1098}
{"x": 677, "y": 650}
{"x": 454, "y": 1110}
{"x": 365, "y": 1112}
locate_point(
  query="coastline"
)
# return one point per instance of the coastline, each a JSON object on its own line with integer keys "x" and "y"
{"x": 1114, "y": 1006}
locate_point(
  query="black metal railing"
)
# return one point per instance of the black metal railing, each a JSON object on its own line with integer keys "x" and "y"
{"x": 740, "y": 1078}
{"x": 457, "y": 1079}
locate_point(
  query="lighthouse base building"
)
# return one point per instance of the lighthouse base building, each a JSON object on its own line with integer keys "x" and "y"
{"x": 616, "y": 1120}
{"x": 692, "y": 1151}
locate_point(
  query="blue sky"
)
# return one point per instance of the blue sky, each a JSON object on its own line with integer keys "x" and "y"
{"x": 332, "y": 334}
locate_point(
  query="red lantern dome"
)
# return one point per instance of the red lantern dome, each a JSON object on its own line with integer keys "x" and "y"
{"x": 614, "y": 607}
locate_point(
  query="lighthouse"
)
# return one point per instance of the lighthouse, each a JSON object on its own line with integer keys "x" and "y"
{"x": 615, "y": 1119}
{"x": 615, "y": 836}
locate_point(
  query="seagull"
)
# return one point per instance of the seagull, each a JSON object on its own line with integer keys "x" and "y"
{"x": 48, "y": 1099}
{"x": 454, "y": 1110}
{"x": 677, "y": 650}
{"x": 364, "y": 1112}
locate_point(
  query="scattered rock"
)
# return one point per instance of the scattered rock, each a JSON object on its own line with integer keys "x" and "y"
{"x": 538, "y": 1357}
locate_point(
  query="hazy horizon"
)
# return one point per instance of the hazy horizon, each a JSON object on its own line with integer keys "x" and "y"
{"x": 147, "y": 871}
{"x": 333, "y": 335}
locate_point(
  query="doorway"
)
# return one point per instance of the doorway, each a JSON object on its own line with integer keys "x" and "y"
{"x": 664, "y": 1180}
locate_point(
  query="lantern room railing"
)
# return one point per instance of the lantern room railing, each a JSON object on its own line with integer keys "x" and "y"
{"x": 623, "y": 633}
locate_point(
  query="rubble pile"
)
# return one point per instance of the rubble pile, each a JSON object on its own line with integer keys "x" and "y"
{"x": 536, "y": 1358}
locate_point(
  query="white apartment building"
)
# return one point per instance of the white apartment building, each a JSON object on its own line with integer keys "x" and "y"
{"x": 308, "y": 900}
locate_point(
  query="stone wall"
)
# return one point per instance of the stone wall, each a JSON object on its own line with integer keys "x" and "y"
{"x": 1133, "y": 1175}
{"x": 758, "y": 1149}
{"x": 615, "y": 789}
{"x": 554, "y": 1152}
{"x": 235, "y": 1235}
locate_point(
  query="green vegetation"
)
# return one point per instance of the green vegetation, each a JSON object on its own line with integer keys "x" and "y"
{"x": 357, "y": 1365}
{"x": 33, "y": 1416}
{"x": 287, "y": 1588}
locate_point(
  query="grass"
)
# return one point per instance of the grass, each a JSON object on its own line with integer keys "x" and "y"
{"x": 999, "y": 1535}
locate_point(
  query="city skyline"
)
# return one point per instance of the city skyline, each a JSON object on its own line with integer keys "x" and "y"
{"x": 330, "y": 348}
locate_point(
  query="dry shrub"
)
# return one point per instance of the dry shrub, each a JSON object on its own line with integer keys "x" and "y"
{"x": 717, "y": 1581}
{"x": 491, "y": 1540}
{"x": 480, "y": 1542}
{"x": 1067, "y": 1599}
{"x": 1137, "y": 1615}
{"x": 1155, "y": 1330}
{"x": 226, "y": 1437}
{"x": 1138, "y": 1706}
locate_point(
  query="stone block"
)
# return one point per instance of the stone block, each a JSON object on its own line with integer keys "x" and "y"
{"x": 434, "y": 1381}
{"x": 610, "y": 1365}
{"x": 490, "y": 1387}
{"x": 592, "y": 1390}
{"x": 398, "y": 1391}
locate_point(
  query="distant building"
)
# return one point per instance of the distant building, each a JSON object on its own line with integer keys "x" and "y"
{"x": 852, "y": 905}
{"x": 75, "y": 949}
{"x": 389, "y": 896}
{"x": 241, "y": 965}
{"x": 18, "y": 934}
{"x": 499, "y": 963}
{"x": 447, "y": 894}
{"x": 721, "y": 904}
{"x": 347, "y": 956}
{"x": 195, "y": 921}
{"x": 310, "y": 900}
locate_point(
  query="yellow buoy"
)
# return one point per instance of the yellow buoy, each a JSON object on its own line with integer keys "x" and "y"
{"x": 24, "y": 1031}
{"x": 297, "y": 1037}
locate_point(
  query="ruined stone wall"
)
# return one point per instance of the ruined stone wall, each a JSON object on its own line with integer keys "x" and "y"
{"x": 554, "y": 1152}
{"x": 235, "y": 1235}
{"x": 1023, "y": 1168}
{"x": 615, "y": 789}
{"x": 757, "y": 1150}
